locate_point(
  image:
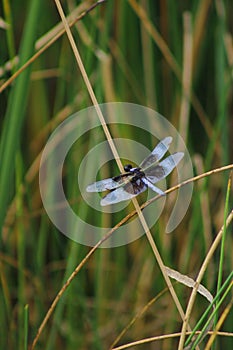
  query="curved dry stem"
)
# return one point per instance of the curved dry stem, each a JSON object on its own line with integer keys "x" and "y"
{"x": 162, "y": 337}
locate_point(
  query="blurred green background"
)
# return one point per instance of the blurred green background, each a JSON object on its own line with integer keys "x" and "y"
{"x": 175, "y": 57}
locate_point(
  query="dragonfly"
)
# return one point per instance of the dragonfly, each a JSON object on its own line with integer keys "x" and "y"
{"x": 136, "y": 180}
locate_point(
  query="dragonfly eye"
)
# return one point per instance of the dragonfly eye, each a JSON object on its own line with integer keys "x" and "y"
{"x": 127, "y": 167}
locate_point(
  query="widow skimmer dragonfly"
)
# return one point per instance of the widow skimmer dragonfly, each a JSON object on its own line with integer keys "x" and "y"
{"x": 137, "y": 180}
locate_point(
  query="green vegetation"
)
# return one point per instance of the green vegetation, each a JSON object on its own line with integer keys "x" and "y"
{"x": 175, "y": 57}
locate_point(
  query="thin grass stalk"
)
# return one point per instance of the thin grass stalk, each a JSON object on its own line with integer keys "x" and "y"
{"x": 186, "y": 77}
{"x": 116, "y": 156}
{"x": 148, "y": 60}
{"x": 88, "y": 85}
{"x": 26, "y": 326}
{"x": 201, "y": 19}
{"x": 20, "y": 252}
{"x": 205, "y": 213}
{"x": 73, "y": 252}
{"x": 9, "y": 31}
{"x": 219, "y": 324}
{"x": 5, "y": 304}
{"x": 221, "y": 86}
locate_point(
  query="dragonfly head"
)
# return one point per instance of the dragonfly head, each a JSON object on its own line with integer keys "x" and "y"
{"x": 127, "y": 167}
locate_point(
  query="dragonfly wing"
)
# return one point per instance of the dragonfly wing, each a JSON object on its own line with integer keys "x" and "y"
{"x": 164, "y": 168}
{"x": 103, "y": 185}
{"x": 157, "y": 153}
{"x": 124, "y": 193}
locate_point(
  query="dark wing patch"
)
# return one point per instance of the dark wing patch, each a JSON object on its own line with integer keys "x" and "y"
{"x": 123, "y": 193}
{"x": 134, "y": 187}
{"x": 151, "y": 159}
{"x": 157, "y": 171}
{"x": 161, "y": 170}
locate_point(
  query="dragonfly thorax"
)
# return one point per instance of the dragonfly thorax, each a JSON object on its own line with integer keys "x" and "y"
{"x": 129, "y": 169}
{"x": 138, "y": 175}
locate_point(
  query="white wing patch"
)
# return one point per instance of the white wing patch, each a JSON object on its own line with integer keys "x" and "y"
{"x": 103, "y": 185}
{"x": 153, "y": 188}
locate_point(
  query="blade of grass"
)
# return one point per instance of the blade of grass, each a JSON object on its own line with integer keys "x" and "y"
{"x": 199, "y": 278}
{"x": 220, "y": 130}
{"x": 222, "y": 250}
{"x": 16, "y": 109}
{"x": 199, "y": 323}
{"x": 212, "y": 315}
